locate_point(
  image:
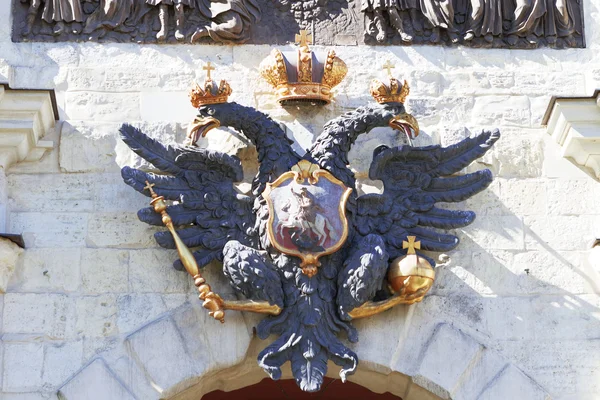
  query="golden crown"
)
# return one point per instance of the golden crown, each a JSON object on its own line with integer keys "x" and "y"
{"x": 210, "y": 93}
{"x": 393, "y": 92}
{"x": 304, "y": 75}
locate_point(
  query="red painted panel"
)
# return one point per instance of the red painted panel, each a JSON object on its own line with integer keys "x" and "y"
{"x": 268, "y": 389}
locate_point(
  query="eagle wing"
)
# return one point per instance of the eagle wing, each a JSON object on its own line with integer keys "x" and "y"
{"x": 208, "y": 210}
{"x": 415, "y": 179}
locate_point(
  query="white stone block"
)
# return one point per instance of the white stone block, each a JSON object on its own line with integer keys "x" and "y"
{"x": 566, "y": 368}
{"x": 52, "y": 193}
{"x": 552, "y": 272}
{"x": 484, "y": 370}
{"x": 30, "y": 396}
{"x": 136, "y": 310}
{"x": 111, "y": 194}
{"x": 9, "y": 254}
{"x": 524, "y": 196}
{"x": 61, "y": 361}
{"x": 104, "y": 270}
{"x": 96, "y": 316}
{"x": 95, "y": 382}
{"x": 103, "y": 106}
{"x": 50, "y": 315}
{"x": 558, "y": 233}
{"x": 23, "y": 360}
{"x": 165, "y": 361}
{"x": 50, "y": 229}
{"x": 535, "y": 82}
{"x": 449, "y": 355}
{"x": 425, "y": 82}
{"x": 496, "y": 232}
{"x": 165, "y": 106}
{"x": 39, "y": 77}
{"x": 131, "y": 80}
{"x": 502, "y": 110}
{"x": 518, "y": 154}
{"x": 542, "y": 317}
{"x": 513, "y": 384}
{"x": 88, "y": 148}
{"x": 189, "y": 322}
{"x": 119, "y": 230}
{"x": 425, "y": 110}
{"x": 478, "y": 82}
{"x": 133, "y": 377}
{"x": 49, "y": 270}
{"x": 487, "y": 202}
{"x": 173, "y": 79}
{"x": 381, "y": 336}
{"x": 573, "y": 196}
{"x": 152, "y": 270}
{"x": 85, "y": 79}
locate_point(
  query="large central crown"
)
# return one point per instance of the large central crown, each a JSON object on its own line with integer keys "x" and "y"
{"x": 303, "y": 75}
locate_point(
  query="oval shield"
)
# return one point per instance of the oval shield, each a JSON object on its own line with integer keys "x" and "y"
{"x": 307, "y": 214}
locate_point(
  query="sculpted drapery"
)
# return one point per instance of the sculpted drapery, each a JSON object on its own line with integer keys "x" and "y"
{"x": 230, "y": 20}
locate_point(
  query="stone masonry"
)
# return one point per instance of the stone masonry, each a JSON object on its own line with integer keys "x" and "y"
{"x": 94, "y": 309}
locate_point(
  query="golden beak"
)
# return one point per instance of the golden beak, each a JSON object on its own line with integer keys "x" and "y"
{"x": 199, "y": 127}
{"x": 405, "y": 123}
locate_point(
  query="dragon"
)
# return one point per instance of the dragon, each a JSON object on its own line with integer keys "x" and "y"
{"x": 313, "y": 310}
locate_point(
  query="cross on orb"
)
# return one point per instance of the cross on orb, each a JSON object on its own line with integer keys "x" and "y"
{"x": 389, "y": 66}
{"x": 411, "y": 245}
{"x": 208, "y": 67}
{"x": 304, "y": 38}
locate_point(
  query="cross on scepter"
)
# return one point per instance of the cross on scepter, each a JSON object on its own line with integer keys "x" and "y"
{"x": 389, "y": 66}
{"x": 149, "y": 187}
{"x": 411, "y": 245}
{"x": 304, "y": 38}
{"x": 208, "y": 67}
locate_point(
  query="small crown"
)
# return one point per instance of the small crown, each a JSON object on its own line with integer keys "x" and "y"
{"x": 303, "y": 75}
{"x": 391, "y": 93}
{"x": 210, "y": 93}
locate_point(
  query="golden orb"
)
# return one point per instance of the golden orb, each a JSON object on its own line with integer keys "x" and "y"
{"x": 410, "y": 273}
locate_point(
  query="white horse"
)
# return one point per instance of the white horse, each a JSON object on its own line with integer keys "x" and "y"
{"x": 321, "y": 227}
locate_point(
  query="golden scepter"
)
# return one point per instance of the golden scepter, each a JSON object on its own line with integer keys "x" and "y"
{"x": 212, "y": 301}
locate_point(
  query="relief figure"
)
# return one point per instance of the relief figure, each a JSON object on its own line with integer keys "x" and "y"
{"x": 231, "y": 20}
{"x": 560, "y": 18}
{"x": 122, "y": 15}
{"x": 527, "y": 16}
{"x": 163, "y": 16}
{"x": 55, "y": 12}
{"x": 394, "y": 10}
{"x": 484, "y": 20}
{"x": 439, "y": 14}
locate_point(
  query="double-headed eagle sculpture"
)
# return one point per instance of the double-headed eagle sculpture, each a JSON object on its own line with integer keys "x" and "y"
{"x": 303, "y": 247}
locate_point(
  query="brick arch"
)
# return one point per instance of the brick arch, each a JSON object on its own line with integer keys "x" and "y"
{"x": 185, "y": 354}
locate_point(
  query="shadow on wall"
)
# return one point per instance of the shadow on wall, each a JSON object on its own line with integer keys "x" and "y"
{"x": 534, "y": 299}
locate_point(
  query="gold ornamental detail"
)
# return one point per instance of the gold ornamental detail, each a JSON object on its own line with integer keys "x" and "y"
{"x": 215, "y": 305}
{"x": 393, "y": 92}
{"x": 210, "y": 92}
{"x": 410, "y": 277}
{"x": 305, "y": 85}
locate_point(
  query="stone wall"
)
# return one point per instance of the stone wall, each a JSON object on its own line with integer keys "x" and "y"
{"x": 95, "y": 307}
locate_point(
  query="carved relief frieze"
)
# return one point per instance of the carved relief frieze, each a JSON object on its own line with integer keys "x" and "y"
{"x": 476, "y": 23}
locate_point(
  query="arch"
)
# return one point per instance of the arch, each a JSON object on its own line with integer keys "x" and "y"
{"x": 184, "y": 354}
